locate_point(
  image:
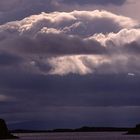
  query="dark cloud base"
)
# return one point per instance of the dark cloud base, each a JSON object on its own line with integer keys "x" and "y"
{"x": 47, "y": 102}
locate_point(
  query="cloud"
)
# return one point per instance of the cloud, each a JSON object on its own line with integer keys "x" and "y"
{"x": 124, "y": 36}
{"x": 60, "y": 66}
{"x": 18, "y": 9}
{"x": 7, "y": 59}
{"x": 96, "y": 2}
{"x": 76, "y": 25}
{"x": 38, "y": 91}
{"x": 55, "y": 99}
{"x": 80, "y": 42}
{"x": 4, "y": 98}
{"x": 82, "y": 64}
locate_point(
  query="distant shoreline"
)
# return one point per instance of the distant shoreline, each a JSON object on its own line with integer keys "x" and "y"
{"x": 129, "y": 131}
{"x": 82, "y": 129}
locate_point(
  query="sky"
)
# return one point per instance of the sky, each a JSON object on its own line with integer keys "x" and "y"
{"x": 69, "y": 63}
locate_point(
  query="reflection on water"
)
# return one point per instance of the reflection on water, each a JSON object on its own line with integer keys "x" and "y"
{"x": 79, "y": 136}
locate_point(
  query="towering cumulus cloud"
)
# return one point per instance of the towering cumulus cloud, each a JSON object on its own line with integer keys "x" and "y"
{"x": 79, "y": 42}
{"x": 69, "y": 68}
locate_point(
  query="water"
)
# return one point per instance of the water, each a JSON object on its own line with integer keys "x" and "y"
{"x": 78, "y": 136}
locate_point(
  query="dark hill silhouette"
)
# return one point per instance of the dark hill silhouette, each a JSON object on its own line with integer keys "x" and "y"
{"x": 134, "y": 131}
{"x": 4, "y": 133}
{"x": 82, "y": 129}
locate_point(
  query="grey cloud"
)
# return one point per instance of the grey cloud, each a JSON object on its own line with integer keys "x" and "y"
{"x": 49, "y": 50}
{"x": 53, "y": 44}
{"x": 88, "y": 90}
{"x": 98, "y": 2}
{"x": 133, "y": 48}
{"x": 7, "y": 59}
{"x": 56, "y": 44}
{"x": 18, "y": 9}
{"x": 88, "y": 28}
{"x": 110, "y": 63}
{"x": 42, "y": 97}
{"x": 55, "y": 38}
{"x": 52, "y": 72}
{"x": 43, "y": 33}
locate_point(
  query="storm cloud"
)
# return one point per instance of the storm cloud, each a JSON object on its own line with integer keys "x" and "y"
{"x": 60, "y": 65}
{"x": 41, "y": 99}
{"x": 52, "y": 42}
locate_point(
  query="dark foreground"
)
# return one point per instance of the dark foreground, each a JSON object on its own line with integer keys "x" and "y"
{"x": 4, "y": 132}
{"x": 134, "y": 131}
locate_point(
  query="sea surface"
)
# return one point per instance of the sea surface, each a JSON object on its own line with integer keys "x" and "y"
{"x": 78, "y": 136}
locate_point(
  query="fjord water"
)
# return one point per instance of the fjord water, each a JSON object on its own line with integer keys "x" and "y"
{"x": 79, "y": 136}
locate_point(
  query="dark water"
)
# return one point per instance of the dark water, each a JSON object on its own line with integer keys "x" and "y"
{"x": 79, "y": 136}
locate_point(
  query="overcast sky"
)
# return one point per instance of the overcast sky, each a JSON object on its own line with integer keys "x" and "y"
{"x": 69, "y": 63}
